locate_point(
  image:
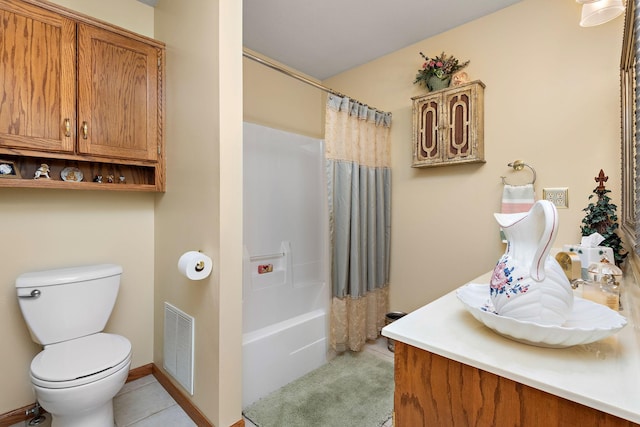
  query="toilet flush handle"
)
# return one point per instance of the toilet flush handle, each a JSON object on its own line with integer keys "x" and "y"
{"x": 34, "y": 294}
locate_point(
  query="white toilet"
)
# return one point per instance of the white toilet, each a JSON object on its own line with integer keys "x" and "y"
{"x": 80, "y": 369}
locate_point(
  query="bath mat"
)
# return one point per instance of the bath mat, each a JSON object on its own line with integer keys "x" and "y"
{"x": 354, "y": 389}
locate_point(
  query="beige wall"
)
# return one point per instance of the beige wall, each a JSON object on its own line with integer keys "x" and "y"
{"x": 276, "y": 100}
{"x": 130, "y": 14}
{"x": 551, "y": 99}
{"x": 201, "y": 209}
{"x": 45, "y": 229}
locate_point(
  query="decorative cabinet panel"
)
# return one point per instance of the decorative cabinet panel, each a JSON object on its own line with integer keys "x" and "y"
{"x": 77, "y": 92}
{"x": 117, "y": 95}
{"x": 448, "y": 126}
{"x": 37, "y": 78}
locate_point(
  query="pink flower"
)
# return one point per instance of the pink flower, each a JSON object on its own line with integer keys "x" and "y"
{"x": 439, "y": 64}
{"x": 499, "y": 278}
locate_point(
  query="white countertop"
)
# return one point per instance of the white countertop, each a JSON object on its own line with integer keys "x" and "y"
{"x": 604, "y": 375}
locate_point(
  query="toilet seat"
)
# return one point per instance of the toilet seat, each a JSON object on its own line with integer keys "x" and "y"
{"x": 80, "y": 361}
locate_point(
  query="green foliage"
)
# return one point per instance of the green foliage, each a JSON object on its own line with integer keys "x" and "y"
{"x": 442, "y": 66}
{"x": 601, "y": 218}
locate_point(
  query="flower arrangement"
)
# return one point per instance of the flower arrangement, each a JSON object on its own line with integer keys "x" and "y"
{"x": 442, "y": 67}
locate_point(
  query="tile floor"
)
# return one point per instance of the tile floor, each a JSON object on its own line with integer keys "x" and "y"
{"x": 145, "y": 403}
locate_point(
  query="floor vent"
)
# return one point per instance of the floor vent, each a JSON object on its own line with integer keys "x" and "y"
{"x": 178, "y": 345}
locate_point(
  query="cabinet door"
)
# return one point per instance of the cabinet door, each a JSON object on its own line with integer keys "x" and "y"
{"x": 37, "y": 78}
{"x": 426, "y": 121}
{"x": 460, "y": 142}
{"x": 117, "y": 95}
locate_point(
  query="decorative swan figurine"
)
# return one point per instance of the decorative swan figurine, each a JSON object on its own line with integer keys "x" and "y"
{"x": 528, "y": 284}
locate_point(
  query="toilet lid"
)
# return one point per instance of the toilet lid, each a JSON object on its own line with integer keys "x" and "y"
{"x": 80, "y": 358}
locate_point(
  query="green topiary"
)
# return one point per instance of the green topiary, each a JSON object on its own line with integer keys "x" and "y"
{"x": 602, "y": 218}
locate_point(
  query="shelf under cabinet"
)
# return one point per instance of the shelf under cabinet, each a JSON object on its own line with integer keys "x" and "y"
{"x": 138, "y": 177}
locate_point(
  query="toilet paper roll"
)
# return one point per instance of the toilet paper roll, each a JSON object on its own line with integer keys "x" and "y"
{"x": 195, "y": 265}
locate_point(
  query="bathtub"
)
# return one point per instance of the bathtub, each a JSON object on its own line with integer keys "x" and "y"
{"x": 278, "y": 354}
{"x": 285, "y": 322}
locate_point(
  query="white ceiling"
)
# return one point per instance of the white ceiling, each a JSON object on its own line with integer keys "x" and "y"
{"x": 322, "y": 38}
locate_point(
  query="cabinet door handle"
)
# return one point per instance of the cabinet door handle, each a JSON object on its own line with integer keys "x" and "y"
{"x": 85, "y": 130}
{"x": 67, "y": 127}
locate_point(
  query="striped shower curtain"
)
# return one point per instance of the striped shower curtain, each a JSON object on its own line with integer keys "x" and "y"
{"x": 359, "y": 189}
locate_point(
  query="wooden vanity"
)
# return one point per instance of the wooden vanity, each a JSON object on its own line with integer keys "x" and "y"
{"x": 451, "y": 370}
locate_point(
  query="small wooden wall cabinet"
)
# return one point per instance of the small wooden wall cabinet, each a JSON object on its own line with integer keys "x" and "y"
{"x": 78, "y": 92}
{"x": 448, "y": 126}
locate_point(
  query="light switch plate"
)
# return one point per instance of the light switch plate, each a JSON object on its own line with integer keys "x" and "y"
{"x": 557, "y": 196}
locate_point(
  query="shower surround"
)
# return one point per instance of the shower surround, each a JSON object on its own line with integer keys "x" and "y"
{"x": 285, "y": 292}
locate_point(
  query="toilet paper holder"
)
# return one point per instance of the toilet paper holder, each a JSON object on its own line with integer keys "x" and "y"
{"x": 200, "y": 265}
{"x": 195, "y": 265}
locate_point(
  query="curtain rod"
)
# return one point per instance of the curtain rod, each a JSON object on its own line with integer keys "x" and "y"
{"x": 299, "y": 77}
{"x": 290, "y": 73}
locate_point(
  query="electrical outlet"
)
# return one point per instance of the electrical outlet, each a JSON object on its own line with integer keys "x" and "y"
{"x": 557, "y": 196}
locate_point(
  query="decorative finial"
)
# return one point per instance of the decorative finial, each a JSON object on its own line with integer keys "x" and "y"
{"x": 601, "y": 179}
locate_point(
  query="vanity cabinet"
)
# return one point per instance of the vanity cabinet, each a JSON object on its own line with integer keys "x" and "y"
{"x": 448, "y": 126}
{"x": 77, "y": 92}
{"x": 432, "y": 390}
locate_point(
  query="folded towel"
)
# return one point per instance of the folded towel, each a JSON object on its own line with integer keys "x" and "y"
{"x": 516, "y": 199}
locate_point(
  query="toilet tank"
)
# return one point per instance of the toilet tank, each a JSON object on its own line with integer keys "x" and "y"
{"x": 67, "y": 303}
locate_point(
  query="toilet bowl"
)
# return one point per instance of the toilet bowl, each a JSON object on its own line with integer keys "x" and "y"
{"x": 81, "y": 368}
{"x": 75, "y": 381}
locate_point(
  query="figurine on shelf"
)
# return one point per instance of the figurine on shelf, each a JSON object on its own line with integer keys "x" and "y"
{"x": 123, "y": 180}
{"x": 460, "y": 78}
{"x": 42, "y": 172}
{"x": 110, "y": 179}
{"x": 98, "y": 179}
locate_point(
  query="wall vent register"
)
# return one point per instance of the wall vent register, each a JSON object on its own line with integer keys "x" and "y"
{"x": 178, "y": 345}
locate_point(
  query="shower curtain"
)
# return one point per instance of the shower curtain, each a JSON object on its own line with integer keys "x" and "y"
{"x": 357, "y": 151}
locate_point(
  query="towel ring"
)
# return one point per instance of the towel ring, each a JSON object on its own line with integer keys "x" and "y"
{"x": 518, "y": 165}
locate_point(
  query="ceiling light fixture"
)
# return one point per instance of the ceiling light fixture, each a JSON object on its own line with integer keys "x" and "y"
{"x": 600, "y": 11}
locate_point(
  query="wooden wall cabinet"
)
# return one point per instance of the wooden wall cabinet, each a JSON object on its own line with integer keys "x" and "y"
{"x": 448, "y": 126}
{"x": 77, "y": 92}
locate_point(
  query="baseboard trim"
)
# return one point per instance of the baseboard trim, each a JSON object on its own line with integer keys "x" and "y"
{"x": 16, "y": 416}
{"x": 19, "y": 415}
{"x": 140, "y": 371}
{"x": 186, "y": 404}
